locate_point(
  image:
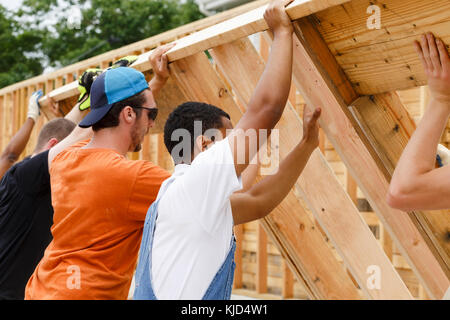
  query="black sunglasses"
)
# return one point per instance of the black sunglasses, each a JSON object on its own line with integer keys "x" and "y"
{"x": 152, "y": 112}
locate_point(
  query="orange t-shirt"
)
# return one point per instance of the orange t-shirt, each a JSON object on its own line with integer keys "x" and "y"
{"x": 100, "y": 201}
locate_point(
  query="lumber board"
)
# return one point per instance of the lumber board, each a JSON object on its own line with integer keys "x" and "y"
{"x": 317, "y": 86}
{"x": 235, "y": 28}
{"x": 383, "y": 60}
{"x": 317, "y": 184}
{"x": 295, "y": 235}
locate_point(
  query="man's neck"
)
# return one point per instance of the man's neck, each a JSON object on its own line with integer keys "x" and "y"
{"x": 110, "y": 138}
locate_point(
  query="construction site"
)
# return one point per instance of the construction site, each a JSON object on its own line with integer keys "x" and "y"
{"x": 334, "y": 237}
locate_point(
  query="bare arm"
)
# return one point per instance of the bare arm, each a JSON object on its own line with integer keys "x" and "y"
{"x": 159, "y": 62}
{"x": 16, "y": 146}
{"x": 78, "y": 134}
{"x": 76, "y": 115}
{"x": 269, "y": 98}
{"x": 416, "y": 183}
{"x": 268, "y": 193}
{"x": 18, "y": 143}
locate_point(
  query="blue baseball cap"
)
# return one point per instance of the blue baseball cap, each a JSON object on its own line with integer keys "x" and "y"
{"x": 110, "y": 87}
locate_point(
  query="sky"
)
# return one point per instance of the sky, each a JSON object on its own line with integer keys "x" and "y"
{"x": 11, "y": 4}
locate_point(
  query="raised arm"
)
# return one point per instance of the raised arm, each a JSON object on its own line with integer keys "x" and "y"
{"x": 18, "y": 143}
{"x": 268, "y": 193}
{"x": 270, "y": 96}
{"x": 159, "y": 62}
{"x": 416, "y": 183}
{"x": 78, "y": 134}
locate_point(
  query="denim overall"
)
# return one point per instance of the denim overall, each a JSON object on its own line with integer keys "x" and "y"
{"x": 219, "y": 288}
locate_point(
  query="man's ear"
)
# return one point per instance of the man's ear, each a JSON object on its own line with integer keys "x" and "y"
{"x": 51, "y": 143}
{"x": 128, "y": 114}
{"x": 202, "y": 143}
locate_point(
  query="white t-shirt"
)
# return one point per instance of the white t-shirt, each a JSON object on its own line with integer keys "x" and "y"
{"x": 194, "y": 225}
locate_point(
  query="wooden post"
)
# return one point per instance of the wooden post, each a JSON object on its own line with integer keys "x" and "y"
{"x": 261, "y": 258}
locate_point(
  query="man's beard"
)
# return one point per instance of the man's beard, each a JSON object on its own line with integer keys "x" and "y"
{"x": 135, "y": 139}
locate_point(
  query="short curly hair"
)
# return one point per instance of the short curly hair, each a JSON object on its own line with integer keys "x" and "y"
{"x": 184, "y": 116}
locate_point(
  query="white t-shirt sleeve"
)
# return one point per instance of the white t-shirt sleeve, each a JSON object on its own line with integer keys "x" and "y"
{"x": 210, "y": 181}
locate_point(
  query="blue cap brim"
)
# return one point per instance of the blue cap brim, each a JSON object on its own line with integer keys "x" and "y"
{"x": 94, "y": 116}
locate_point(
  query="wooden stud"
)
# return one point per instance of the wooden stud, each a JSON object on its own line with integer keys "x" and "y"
{"x": 287, "y": 290}
{"x": 261, "y": 256}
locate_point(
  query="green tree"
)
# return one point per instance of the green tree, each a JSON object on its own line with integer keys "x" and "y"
{"x": 105, "y": 25}
{"x": 18, "y": 46}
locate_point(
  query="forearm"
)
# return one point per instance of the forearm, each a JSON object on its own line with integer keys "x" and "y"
{"x": 19, "y": 141}
{"x": 268, "y": 193}
{"x": 156, "y": 84}
{"x": 273, "y": 87}
{"x": 419, "y": 156}
{"x": 76, "y": 115}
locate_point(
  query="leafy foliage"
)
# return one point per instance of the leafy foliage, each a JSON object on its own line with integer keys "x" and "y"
{"x": 43, "y": 26}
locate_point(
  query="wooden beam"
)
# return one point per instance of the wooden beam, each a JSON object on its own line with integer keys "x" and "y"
{"x": 323, "y": 83}
{"x": 382, "y": 60}
{"x": 317, "y": 185}
{"x": 235, "y": 28}
{"x": 289, "y": 227}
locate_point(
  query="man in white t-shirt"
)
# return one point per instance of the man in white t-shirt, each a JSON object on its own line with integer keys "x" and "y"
{"x": 187, "y": 249}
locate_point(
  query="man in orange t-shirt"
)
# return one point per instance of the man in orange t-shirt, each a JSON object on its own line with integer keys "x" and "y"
{"x": 100, "y": 198}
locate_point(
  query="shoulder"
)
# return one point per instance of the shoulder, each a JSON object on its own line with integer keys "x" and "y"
{"x": 69, "y": 150}
{"x": 150, "y": 171}
{"x": 218, "y": 154}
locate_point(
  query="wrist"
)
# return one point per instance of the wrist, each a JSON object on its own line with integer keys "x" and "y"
{"x": 441, "y": 102}
{"x": 159, "y": 79}
{"x": 283, "y": 32}
{"x": 309, "y": 144}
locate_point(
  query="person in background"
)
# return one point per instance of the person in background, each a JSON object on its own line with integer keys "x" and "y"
{"x": 18, "y": 143}
{"x": 26, "y": 212}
